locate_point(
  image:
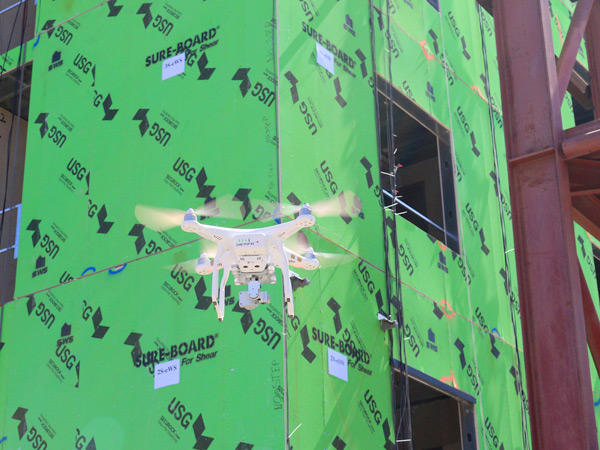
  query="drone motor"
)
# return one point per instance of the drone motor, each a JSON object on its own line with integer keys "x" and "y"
{"x": 205, "y": 265}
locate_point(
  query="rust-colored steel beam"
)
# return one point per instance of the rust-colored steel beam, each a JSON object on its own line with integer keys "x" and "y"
{"x": 582, "y": 128}
{"x": 586, "y": 212}
{"x": 550, "y": 294}
{"x": 594, "y": 191}
{"x": 592, "y": 324}
{"x": 578, "y": 85}
{"x": 584, "y": 177}
{"x": 592, "y": 44}
{"x": 582, "y": 140}
{"x": 568, "y": 54}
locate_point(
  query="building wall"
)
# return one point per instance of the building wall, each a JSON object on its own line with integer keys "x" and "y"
{"x": 254, "y": 119}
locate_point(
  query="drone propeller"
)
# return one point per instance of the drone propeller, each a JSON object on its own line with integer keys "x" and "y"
{"x": 189, "y": 266}
{"x": 207, "y": 250}
{"x": 162, "y": 219}
{"x": 302, "y": 246}
{"x": 158, "y": 219}
{"x": 346, "y": 204}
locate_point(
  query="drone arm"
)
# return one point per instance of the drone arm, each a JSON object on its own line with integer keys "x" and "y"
{"x": 285, "y": 230}
{"x": 215, "y": 283}
{"x": 210, "y": 232}
{"x": 293, "y": 258}
{"x": 214, "y": 292}
{"x": 296, "y": 260}
{"x": 302, "y": 262}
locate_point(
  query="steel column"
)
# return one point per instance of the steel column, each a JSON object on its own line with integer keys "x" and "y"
{"x": 554, "y": 340}
{"x": 592, "y": 44}
{"x": 568, "y": 54}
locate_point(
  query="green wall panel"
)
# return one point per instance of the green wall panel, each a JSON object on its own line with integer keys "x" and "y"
{"x": 110, "y": 134}
{"x": 99, "y": 384}
{"x": 255, "y": 119}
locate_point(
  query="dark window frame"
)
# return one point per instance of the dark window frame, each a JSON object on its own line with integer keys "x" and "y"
{"x": 11, "y": 92}
{"x": 596, "y": 260}
{"x": 447, "y": 231}
{"x": 466, "y": 403}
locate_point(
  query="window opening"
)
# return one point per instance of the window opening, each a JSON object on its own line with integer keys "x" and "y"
{"x": 583, "y": 114}
{"x": 579, "y": 88}
{"x": 11, "y": 23}
{"x": 10, "y": 216}
{"x": 10, "y": 85}
{"x": 440, "y": 418}
{"x": 420, "y": 184}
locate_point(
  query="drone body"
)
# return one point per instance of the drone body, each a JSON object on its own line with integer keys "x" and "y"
{"x": 252, "y": 256}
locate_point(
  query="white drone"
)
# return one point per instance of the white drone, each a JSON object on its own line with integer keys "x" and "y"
{"x": 251, "y": 254}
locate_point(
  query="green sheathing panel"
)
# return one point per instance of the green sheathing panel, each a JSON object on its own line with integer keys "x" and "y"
{"x": 462, "y": 41}
{"x": 329, "y": 150}
{"x": 426, "y": 82}
{"x": 109, "y": 134}
{"x": 98, "y": 385}
{"x": 51, "y": 15}
{"x": 461, "y": 310}
{"x": 491, "y": 71}
{"x": 561, "y": 14}
{"x": 12, "y": 58}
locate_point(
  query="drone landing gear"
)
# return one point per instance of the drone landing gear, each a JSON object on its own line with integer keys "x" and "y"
{"x": 219, "y": 301}
{"x": 287, "y": 285}
{"x": 290, "y": 308}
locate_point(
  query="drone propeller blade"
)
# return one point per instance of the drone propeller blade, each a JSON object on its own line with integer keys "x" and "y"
{"x": 301, "y": 245}
{"x": 302, "y": 241}
{"x": 158, "y": 219}
{"x": 346, "y": 204}
{"x": 162, "y": 219}
{"x": 328, "y": 260}
{"x": 189, "y": 265}
{"x": 298, "y": 243}
{"x": 207, "y": 249}
{"x": 224, "y": 207}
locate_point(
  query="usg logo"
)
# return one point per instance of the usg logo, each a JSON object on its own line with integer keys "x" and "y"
{"x": 84, "y": 64}
{"x": 80, "y": 441}
{"x": 51, "y": 247}
{"x": 56, "y": 135}
{"x": 160, "y": 134}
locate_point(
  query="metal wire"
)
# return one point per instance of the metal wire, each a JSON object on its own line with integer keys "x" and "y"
{"x": 518, "y": 376}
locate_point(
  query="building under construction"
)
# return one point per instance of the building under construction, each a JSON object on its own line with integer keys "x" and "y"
{"x": 449, "y": 152}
